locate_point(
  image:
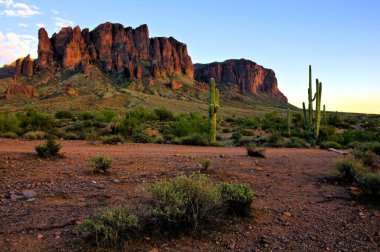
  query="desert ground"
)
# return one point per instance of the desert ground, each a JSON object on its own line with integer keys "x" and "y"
{"x": 297, "y": 208}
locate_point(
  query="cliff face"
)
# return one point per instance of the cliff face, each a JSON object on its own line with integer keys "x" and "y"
{"x": 115, "y": 49}
{"x": 245, "y": 77}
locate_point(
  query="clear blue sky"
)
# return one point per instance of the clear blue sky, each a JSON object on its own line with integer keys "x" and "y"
{"x": 339, "y": 38}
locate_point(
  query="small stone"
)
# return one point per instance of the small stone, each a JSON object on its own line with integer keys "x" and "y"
{"x": 40, "y": 236}
{"x": 100, "y": 186}
{"x": 116, "y": 180}
{"x": 29, "y": 194}
{"x": 287, "y": 214}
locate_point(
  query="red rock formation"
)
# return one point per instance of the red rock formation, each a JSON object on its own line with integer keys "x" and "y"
{"x": 18, "y": 90}
{"x": 175, "y": 85}
{"x": 244, "y": 75}
{"x": 23, "y": 66}
{"x": 45, "y": 49}
{"x": 116, "y": 49}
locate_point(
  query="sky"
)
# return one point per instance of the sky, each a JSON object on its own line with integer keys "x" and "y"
{"x": 339, "y": 38}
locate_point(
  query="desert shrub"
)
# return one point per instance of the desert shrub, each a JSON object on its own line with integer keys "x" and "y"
{"x": 254, "y": 151}
{"x": 185, "y": 201}
{"x": 106, "y": 116}
{"x": 326, "y": 132}
{"x": 71, "y": 136}
{"x": 48, "y": 149}
{"x": 34, "y": 120}
{"x": 134, "y": 120}
{"x": 91, "y": 136}
{"x": 189, "y": 124}
{"x": 100, "y": 163}
{"x": 368, "y": 146}
{"x": 34, "y": 135}
{"x": 164, "y": 114}
{"x": 110, "y": 227}
{"x": 139, "y": 136}
{"x": 206, "y": 163}
{"x": 9, "y": 123}
{"x": 195, "y": 139}
{"x": 11, "y": 135}
{"x": 272, "y": 121}
{"x": 370, "y": 184}
{"x": 296, "y": 142}
{"x": 236, "y": 136}
{"x": 86, "y": 116}
{"x": 349, "y": 168}
{"x": 113, "y": 139}
{"x": 275, "y": 140}
{"x": 63, "y": 114}
{"x": 366, "y": 156}
{"x": 330, "y": 144}
{"x": 238, "y": 197}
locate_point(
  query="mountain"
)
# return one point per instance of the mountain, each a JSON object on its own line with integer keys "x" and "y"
{"x": 113, "y": 59}
{"x": 241, "y": 76}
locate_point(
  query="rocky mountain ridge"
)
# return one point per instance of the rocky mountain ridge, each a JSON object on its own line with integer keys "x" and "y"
{"x": 130, "y": 54}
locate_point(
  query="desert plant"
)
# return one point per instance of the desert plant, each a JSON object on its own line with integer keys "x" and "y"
{"x": 164, "y": 114}
{"x": 185, "y": 201}
{"x": 296, "y": 142}
{"x": 206, "y": 163}
{"x": 63, "y": 114}
{"x": 106, "y": 116}
{"x": 254, "y": 151}
{"x": 34, "y": 135}
{"x": 11, "y": 135}
{"x": 213, "y": 110}
{"x": 238, "y": 197}
{"x": 370, "y": 184}
{"x": 48, "y": 149}
{"x": 312, "y": 123}
{"x": 101, "y": 163}
{"x": 113, "y": 139}
{"x": 366, "y": 156}
{"x": 349, "y": 169}
{"x": 289, "y": 122}
{"x": 195, "y": 139}
{"x": 110, "y": 227}
{"x": 331, "y": 144}
{"x": 9, "y": 123}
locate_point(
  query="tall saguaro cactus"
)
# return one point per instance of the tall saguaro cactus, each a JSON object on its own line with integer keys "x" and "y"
{"x": 213, "y": 109}
{"x": 312, "y": 122}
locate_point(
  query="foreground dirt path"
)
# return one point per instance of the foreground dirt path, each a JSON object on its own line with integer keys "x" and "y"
{"x": 295, "y": 209}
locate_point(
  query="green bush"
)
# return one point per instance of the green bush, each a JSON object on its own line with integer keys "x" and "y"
{"x": 9, "y": 123}
{"x": 71, "y": 136}
{"x": 106, "y": 116}
{"x": 195, "y": 139}
{"x": 34, "y": 120}
{"x": 236, "y": 136}
{"x": 206, "y": 163}
{"x": 370, "y": 184}
{"x": 113, "y": 139}
{"x": 100, "y": 163}
{"x": 190, "y": 124}
{"x": 331, "y": 144}
{"x": 49, "y": 149}
{"x": 349, "y": 168}
{"x": 110, "y": 227}
{"x": 185, "y": 201}
{"x": 164, "y": 114}
{"x": 368, "y": 146}
{"x": 85, "y": 116}
{"x": 238, "y": 198}
{"x": 366, "y": 156}
{"x": 34, "y": 135}
{"x": 275, "y": 140}
{"x": 63, "y": 114}
{"x": 296, "y": 142}
{"x": 11, "y": 135}
{"x": 134, "y": 120}
{"x": 254, "y": 151}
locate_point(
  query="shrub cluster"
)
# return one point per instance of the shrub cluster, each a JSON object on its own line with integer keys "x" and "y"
{"x": 48, "y": 149}
{"x": 100, "y": 163}
{"x": 184, "y": 202}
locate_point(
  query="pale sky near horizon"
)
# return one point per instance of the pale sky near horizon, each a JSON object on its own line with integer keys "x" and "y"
{"x": 339, "y": 38}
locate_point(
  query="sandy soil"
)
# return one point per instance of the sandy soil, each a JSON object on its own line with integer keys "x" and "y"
{"x": 295, "y": 210}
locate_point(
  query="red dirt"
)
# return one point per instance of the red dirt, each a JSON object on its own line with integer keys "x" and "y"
{"x": 295, "y": 210}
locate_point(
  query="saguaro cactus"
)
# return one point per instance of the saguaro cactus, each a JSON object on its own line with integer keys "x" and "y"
{"x": 312, "y": 123}
{"x": 213, "y": 109}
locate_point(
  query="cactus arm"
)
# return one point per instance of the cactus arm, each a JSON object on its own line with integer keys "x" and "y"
{"x": 213, "y": 109}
